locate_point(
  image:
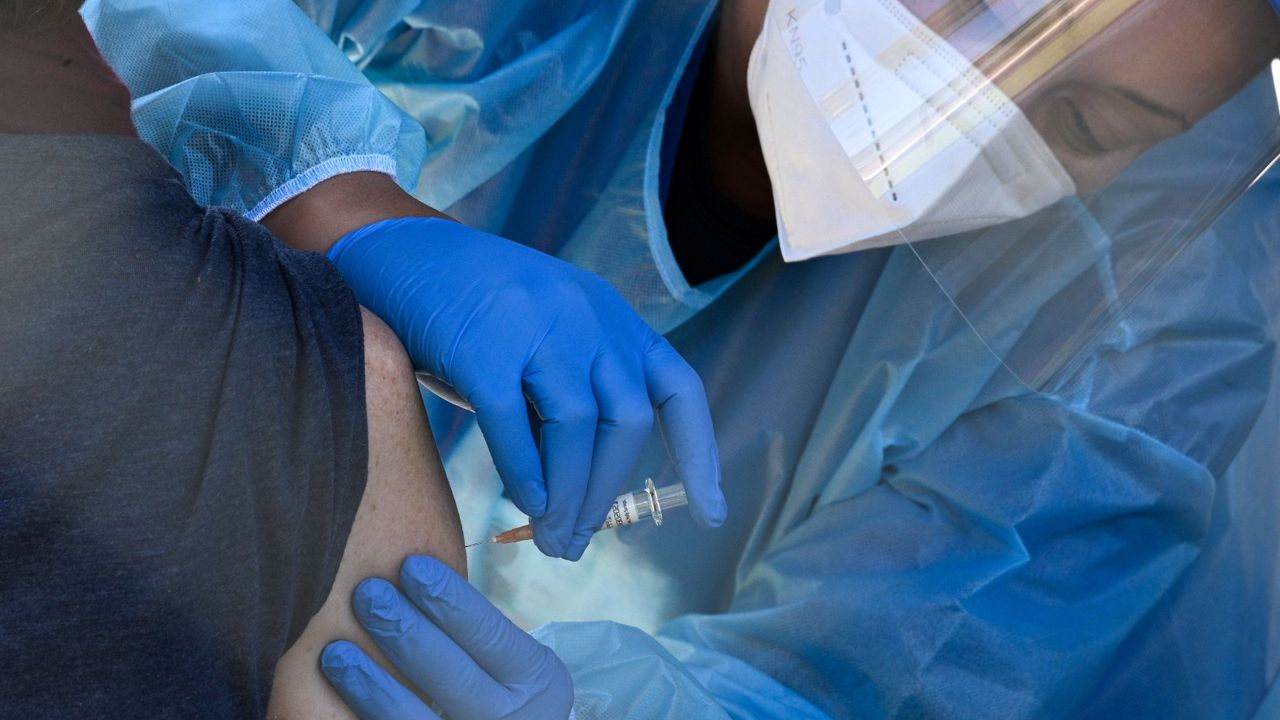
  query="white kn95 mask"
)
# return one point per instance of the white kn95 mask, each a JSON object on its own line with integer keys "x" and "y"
{"x": 877, "y": 132}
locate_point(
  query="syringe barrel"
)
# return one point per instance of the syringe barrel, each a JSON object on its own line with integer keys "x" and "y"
{"x": 672, "y": 496}
{"x": 628, "y": 509}
{"x": 631, "y": 508}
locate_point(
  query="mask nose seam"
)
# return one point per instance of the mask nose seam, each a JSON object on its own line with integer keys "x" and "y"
{"x": 866, "y": 112}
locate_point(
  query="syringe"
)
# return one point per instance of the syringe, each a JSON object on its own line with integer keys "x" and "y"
{"x": 628, "y": 509}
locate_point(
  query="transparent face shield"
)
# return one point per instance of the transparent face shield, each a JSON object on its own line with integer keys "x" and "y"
{"x": 1157, "y": 116}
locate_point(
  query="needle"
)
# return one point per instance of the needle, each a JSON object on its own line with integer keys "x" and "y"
{"x": 524, "y": 532}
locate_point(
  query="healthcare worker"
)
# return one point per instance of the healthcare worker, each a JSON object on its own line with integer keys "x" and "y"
{"x": 1022, "y": 471}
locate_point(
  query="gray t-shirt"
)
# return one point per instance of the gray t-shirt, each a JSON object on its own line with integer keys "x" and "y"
{"x": 182, "y": 438}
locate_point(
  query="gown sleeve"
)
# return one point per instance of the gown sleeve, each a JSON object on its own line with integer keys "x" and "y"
{"x": 250, "y": 101}
{"x": 974, "y": 578}
{"x": 996, "y": 570}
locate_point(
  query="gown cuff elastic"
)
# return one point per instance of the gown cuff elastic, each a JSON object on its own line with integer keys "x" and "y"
{"x": 317, "y": 174}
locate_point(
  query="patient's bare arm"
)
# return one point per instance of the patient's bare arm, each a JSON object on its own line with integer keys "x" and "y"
{"x": 406, "y": 509}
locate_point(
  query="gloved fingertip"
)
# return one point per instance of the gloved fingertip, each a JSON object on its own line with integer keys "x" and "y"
{"x": 721, "y": 513}
{"x": 535, "y": 504}
{"x": 702, "y": 480}
{"x": 528, "y": 495}
{"x": 349, "y": 670}
{"x": 575, "y": 551}
{"x": 548, "y": 542}
{"x": 372, "y": 587}
{"x": 566, "y": 545}
{"x": 338, "y": 657}
{"x": 339, "y": 248}
{"x": 424, "y": 573}
{"x": 713, "y": 516}
{"x": 376, "y": 603}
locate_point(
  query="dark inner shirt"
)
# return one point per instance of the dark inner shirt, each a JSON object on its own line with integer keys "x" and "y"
{"x": 709, "y": 235}
{"x": 182, "y": 438}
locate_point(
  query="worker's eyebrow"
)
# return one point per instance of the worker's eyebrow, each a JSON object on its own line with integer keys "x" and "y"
{"x": 1155, "y": 108}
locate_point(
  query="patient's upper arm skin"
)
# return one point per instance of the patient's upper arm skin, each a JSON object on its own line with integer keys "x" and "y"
{"x": 407, "y": 508}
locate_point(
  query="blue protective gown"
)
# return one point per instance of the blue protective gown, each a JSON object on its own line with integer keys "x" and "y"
{"x": 913, "y": 531}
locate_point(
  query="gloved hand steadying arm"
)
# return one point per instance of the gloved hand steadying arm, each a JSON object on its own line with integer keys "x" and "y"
{"x": 449, "y": 641}
{"x": 499, "y": 322}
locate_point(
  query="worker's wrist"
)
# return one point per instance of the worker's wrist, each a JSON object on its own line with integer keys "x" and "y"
{"x": 319, "y": 217}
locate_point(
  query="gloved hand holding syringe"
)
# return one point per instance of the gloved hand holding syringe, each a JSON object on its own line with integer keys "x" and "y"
{"x": 627, "y": 509}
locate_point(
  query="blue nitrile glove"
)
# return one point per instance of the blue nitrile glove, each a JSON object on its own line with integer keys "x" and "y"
{"x": 497, "y": 321}
{"x": 449, "y": 641}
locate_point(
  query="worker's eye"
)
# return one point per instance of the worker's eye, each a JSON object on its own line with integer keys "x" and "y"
{"x": 1069, "y": 119}
{"x": 1093, "y": 120}
{"x": 1077, "y": 133}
